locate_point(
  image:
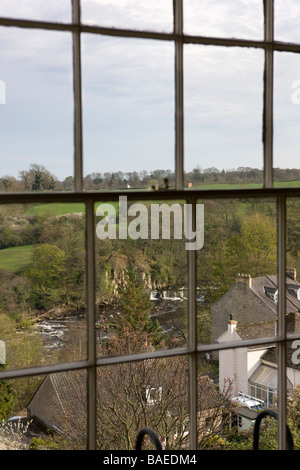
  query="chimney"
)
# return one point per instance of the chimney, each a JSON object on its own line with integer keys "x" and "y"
{"x": 231, "y": 323}
{"x": 291, "y": 273}
{"x": 245, "y": 278}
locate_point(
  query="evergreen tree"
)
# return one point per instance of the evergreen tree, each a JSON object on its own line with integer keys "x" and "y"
{"x": 136, "y": 307}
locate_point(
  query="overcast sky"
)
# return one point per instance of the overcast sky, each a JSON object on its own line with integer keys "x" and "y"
{"x": 128, "y": 88}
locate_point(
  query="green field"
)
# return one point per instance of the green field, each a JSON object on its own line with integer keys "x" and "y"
{"x": 56, "y": 208}
{"x": 60, "y": 208}
{"x": 16, "y": 258}
{"x": 277, "y": 184}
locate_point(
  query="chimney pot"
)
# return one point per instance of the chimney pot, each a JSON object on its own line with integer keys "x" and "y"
{"x": 291, "y": 273}
{"x": 245, "y": 278}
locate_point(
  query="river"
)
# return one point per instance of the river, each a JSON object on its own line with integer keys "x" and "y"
{"x": 169, "y": 308}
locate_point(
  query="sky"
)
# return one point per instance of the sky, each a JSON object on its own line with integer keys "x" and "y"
{"x": 128, "y": 88}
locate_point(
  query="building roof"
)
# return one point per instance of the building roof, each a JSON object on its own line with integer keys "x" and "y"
{"x": 59, "y": 395}
{"x": 267, "y": 376}
{"x": 264, "y": 329}
{"x": 266, "y": 287}
{"x": 246, "y": 412}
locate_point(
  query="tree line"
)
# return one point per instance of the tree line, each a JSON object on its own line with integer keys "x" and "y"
{"x": 38, "y": 178}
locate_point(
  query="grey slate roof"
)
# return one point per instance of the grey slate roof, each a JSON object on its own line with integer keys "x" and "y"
{"x": 270, "y": 282}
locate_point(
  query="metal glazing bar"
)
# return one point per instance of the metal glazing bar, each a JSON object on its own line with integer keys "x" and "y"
{"x": 157, "y": 354}
{"x": 78, "y": 165}
{"x": 91, "y": 352}
{"x": 268, "y": 95}
{"x": 192, "y": 336}
{"x": 141, "y": 34}
{"x": 44, "y": 197}
{"x": 281, "y": 346}
{"x": 179, "y": 132}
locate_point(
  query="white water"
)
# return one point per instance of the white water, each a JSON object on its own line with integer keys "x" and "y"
{"x": 169, "y": 294}
{"x": 169, "y": 308}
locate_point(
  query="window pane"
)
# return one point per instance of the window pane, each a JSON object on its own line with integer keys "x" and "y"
{"x": 42, "y": 268}
{"x": 286, "y": 119}
{"x": 213, "y": 405}
{"x": 56, "y": 10}
{"x": 156, "y": 15}
{"x": 239, "y": 19}
{"x": 237, "y": 271}
{"x": 141, "y": 276}
{"x": 17, "y": 428}
{"x": 293, "y": 238}
{"x": 37, "y": 107}
{"x": 286, "y": 20}
{"x": 248, "y": 394}
{"x": 128, "y": 108}
{"x": 60, "y": 404}
{"x": 223, "y": 117}
{"x": 125, "y": 404}
{"x": 44, "y": 412}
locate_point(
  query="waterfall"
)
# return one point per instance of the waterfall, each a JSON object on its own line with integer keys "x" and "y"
{"x": 174, "y": 294}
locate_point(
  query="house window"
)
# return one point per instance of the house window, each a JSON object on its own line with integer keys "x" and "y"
{"x": 148, "y": 105}
{"x": 153, "y": 395}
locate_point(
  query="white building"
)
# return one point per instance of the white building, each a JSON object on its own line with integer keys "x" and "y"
{"x": 253, "y": 370}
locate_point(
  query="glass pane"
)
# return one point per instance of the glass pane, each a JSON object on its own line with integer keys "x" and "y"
{"x": 240, "y": 19}
{"x": 292, "y": 318}
{"x": 42, "y": 292}
{"x": 249, "y": 397}
{"x": 44, "y": 412}
{"x": 156, "y": 15}
{"x": 232, "y": 396}
{"x": 144, "y": 393}
{"x": 293, "y": 243}
{"x": 17, "y": 429}
{"x": 36, "y": 130}
{"x": 237, "y": 270}
{"x": 128, "y": 111}
{"x": 213, "y": 405}
{"x": 56, "y": 10}
{"x": 141, "y": 276}
{"x": 286, "y": 119}
{"x": 223, "y": 117}
{"x": 286, "y": 20}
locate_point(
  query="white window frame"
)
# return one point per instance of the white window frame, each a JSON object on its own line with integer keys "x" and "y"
{"x": 269, "y": 46}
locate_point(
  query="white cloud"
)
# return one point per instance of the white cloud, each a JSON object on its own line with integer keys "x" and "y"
{"x": 287, "y": 15}
{"x": 54, "y": 10}
{"x": 154, "y": 15}
{"x": 238, "y": 18}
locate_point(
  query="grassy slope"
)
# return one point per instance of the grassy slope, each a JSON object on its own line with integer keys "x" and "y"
{"x": 16, "y": 258}
{"x": 57, "y": 208}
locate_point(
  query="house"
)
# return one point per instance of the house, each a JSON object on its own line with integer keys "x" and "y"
{"x": 249, "y": 311}
{"x": 60, "y": 404}
{"x": 252, "y": 301}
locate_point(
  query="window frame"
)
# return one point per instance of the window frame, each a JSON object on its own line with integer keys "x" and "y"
{"x": 92, "y": 362}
